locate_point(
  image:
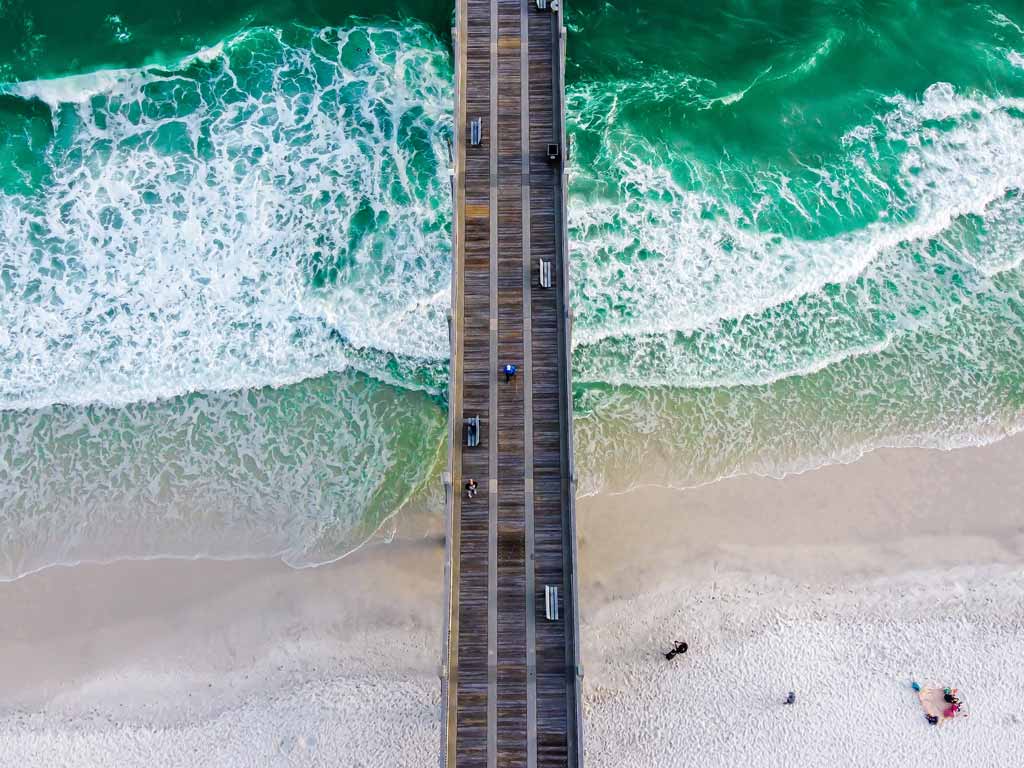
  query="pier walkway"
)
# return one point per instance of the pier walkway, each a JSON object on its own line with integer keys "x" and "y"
{"x": 511, "y": 669}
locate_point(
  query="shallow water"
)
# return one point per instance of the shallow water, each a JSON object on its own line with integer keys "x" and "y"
{"x": 797, "y": 234}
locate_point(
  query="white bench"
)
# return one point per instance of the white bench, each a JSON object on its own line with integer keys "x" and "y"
{"x": 550, "y": 602}
{"x": 544, "y": 273}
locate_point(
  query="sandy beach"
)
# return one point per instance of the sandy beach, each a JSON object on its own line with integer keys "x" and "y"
{"x": 842, "y": 584}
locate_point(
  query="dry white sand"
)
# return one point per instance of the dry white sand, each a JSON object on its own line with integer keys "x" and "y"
{"x": 841, "y": 584}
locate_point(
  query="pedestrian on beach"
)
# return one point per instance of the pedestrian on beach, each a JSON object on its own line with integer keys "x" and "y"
{"x": 791, "y": 699}
{"x": 679, "y": 647}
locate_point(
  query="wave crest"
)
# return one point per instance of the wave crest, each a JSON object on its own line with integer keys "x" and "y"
{"x": 249, "y": 216}
{"x": 681, "y": 283}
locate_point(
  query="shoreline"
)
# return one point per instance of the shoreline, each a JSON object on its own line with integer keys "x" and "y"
{"x": 414, "y": 514}
{"x": 849, "y": 455}
{"x": 852, "y": 575}
{"x": 417, "y": 515}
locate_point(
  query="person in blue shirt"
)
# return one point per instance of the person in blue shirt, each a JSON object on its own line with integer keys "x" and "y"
{"x": 510, "y": 372}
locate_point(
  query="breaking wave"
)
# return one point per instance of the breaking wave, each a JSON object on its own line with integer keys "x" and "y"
{"x": 246, "y": 218}
{"x": 223, "y": 282}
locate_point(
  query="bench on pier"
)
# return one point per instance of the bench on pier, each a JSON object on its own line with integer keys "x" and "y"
{"x": 550, "y": 602}
{"x": 544, "y": 273}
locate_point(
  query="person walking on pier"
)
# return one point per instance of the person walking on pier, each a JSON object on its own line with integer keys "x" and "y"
{"x": 471, "y": 486}
{"x": 510, "y": 372}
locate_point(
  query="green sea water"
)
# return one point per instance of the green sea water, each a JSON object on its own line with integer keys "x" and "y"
{"x": 796, "y": 230}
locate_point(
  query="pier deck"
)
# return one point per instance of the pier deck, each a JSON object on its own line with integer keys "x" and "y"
{"x": 510, "y": 675}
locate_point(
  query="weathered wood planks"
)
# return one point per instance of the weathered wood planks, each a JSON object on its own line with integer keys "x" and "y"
{"x": 511, "y": 677}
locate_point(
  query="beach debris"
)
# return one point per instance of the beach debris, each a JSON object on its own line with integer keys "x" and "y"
{"x": 791, "y": 699}
{"x": 679, "y": 647}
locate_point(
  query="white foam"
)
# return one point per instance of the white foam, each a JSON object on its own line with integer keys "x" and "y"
{"x": 738, "y": 365}
{"x": 651, "y": 361}
{"x": 654, "y": 259}
{"x": 736, "y": 96}
{"x": 75, "y": 89}
{"x": 822, "y": 52}
{"x": 1002, "y": 20}
{"x": 209, "y": 53}
{"x": 304, "y": 474}
{"x": 945, "y": 385}
{"x": 173, "y": 247}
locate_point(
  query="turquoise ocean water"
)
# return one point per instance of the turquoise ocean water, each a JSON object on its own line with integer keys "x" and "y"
{"x": 797, "y": 233}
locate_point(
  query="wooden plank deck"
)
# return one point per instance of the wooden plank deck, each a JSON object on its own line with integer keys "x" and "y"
{"x": 510, "y": 677}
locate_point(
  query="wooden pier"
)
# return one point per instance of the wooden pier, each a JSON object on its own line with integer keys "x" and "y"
{"x": 511, "y": 669}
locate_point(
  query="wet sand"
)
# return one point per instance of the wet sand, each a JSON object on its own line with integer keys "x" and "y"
{"x": 842, "y": 584}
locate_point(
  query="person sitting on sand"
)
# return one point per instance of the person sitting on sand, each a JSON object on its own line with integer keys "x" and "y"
{"x": 680, "y": 647}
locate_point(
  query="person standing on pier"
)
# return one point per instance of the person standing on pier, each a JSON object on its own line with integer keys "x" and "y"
{"x": 510, "y": 372}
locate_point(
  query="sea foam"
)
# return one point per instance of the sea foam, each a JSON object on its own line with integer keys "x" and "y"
{"x": 245, "y": 218}
{"x": 209, "y": 258}
{"x": 683, "y": 286}
{"x": 732, "y": 346}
